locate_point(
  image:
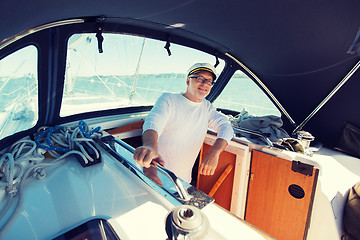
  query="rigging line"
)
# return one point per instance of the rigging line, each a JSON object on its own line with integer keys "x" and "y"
{"x": 102, "y": 81}
{"x": 13, "y": 73}
{"x": 151, "y": 89}
{"x": 78, "y": 40}
{"x": 72, "y": 83}
{"x": 8, "y": 79}
{"x": 120, "y": 81}
{"x": 119, "y": 45}
{"x": 13, "y": 92}
{"x": 22, "y": 98}
{"x": 136, "y": 75}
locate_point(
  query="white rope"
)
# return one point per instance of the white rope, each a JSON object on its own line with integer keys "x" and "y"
{"x": 24, "y": 161}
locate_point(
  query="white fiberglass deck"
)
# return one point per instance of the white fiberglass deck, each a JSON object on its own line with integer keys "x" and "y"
{"x": 70, "y": 195}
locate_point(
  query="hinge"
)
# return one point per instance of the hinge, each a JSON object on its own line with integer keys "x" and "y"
{"x": 251, "y": 176}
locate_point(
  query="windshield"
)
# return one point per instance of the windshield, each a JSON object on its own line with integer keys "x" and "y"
{"x": 243, "y": 95}
{"x": 18, "y": 91}
{"x": 131, "y": 71}
{"x": 134, "y": 71}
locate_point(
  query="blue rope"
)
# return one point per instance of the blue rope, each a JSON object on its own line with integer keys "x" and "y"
{"x": 50, "y": 146}
{"x": 83, "y": 128}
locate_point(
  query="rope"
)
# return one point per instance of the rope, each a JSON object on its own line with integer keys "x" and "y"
{"x": 24, "y": 160}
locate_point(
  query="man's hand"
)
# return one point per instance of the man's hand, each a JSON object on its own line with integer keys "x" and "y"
{"x": 210, "y": 162}
{"x": 145, "y": 156}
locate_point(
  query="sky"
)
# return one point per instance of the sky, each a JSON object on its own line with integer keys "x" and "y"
{"x": 19, "y": 63}
{"x": 120, "y": 57}
{"x": 122, "y": 53}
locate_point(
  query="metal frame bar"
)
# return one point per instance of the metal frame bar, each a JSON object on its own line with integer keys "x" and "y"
{"x": 273, "y": 98}
{"x": 328, "y": 97}
{"x": 4, "y": 43}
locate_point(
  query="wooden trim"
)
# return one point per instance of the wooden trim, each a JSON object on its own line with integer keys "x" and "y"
{"x": 126, "y": 128}
{"x": 241, "y": 160}
{"x": 316, "y": 172}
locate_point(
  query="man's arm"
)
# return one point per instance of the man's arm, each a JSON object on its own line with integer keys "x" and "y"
{"x": 221, "y": 124}
{"x": 148, "y": 152}
{"x": 210, "y": 162}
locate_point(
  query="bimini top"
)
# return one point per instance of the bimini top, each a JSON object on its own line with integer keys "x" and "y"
{"x": 300, "y": 50}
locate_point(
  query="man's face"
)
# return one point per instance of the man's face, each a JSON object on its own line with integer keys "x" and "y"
{"x": 197, "y": 90}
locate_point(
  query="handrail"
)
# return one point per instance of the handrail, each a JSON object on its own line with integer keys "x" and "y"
{"x": 184, "y": 192}
{"x": 244, "y": 130}
{"x": 174, "y": 179}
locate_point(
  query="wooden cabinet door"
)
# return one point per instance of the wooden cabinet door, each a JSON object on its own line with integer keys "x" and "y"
{"x": 275, "y": 201}
{"x": 206, "y": 183}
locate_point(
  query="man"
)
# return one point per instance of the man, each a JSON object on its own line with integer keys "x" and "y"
{"x": 176, "y": 127}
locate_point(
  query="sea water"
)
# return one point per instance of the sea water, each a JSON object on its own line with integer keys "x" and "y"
{"x": 240, "y": 93}
{"x": 19, "y": 96}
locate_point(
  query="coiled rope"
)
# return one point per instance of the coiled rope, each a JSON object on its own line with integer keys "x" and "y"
{"x": 24, "y": 159}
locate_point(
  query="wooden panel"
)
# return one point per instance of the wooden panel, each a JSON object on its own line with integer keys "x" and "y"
{"x": 205, "y": 183}
{"x": 270, "y": 207}
{"x": 126, "y": 128}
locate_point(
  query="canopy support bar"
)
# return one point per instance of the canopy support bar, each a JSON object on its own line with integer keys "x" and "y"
{"x": 343, "y": 81}
{"x": 278, "y": 104}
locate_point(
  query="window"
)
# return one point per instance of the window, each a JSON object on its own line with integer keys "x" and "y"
{"x": 18, "y": 91}
{"x": 131, "y": 71}
{"x": 241, "y": 93}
